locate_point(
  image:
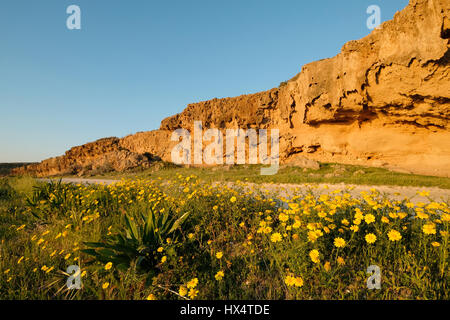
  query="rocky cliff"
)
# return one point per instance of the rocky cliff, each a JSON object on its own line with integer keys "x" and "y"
{"x": 384, "y": 100}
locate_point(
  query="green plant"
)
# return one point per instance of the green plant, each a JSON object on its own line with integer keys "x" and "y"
{"x": 138, "y": 243}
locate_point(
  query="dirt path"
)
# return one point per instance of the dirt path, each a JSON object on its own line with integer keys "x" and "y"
{"x": 287, "y": 190}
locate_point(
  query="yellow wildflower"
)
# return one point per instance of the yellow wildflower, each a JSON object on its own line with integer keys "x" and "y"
{"x": 339, "y": 242}
{"x": 370, "y": 238}
{"x": 429, "y": 228}
{"x": 314, "y": 255}
{"x": 276, "y": 237}
{"x": 394, "y": 235}
{"x": 219, "y": 275}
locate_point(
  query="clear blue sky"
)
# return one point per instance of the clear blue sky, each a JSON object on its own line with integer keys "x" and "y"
{"x": 135, "y": 62}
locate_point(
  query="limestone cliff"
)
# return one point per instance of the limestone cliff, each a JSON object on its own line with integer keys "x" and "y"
{"x": 383, "y": 100}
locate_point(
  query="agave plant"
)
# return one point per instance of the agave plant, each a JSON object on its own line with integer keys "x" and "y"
{"x": 54, "y": 194}
{"x": 138, "y": 243}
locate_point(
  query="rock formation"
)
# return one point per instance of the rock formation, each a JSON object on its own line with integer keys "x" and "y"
{"x": 383, "y": 100}
{"x": 96, "y": 157}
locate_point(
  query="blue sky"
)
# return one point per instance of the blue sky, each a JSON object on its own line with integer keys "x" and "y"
{"x": 136, "y": 62}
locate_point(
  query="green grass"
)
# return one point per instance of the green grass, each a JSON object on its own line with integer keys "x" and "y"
{"x": 328, "y": 173}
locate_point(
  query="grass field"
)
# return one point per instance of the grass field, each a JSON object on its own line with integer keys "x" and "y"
{"x": 328, "y": 173}
{"x": 178, "y": 236}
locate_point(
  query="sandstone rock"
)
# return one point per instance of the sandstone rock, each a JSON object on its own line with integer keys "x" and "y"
{"x": 383, "y": 97}
{"x": 97, "y": 157}
{"x": 359, "y": 172}
{"x": 303, "y": 162}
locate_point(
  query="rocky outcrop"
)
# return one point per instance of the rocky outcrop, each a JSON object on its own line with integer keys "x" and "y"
{"x": 383, "y": 100}
{"x": 103, "y": 155}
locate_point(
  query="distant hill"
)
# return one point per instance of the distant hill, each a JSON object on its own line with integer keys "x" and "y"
{"x": 5, "y": 168}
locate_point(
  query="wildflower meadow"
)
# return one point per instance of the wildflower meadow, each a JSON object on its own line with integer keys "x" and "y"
{"x": 184, "y": 238}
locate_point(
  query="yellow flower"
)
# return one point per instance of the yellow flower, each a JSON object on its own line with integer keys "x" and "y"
{"x": 422, "y": 215}
{"x": 340, "y": 261}
{"x": 182, "y": 291}
{"x": 151, "y": 296}
{"x": 393, "y": 215}
{"x": 312, "y": 236}
{"x": 219, "y": 255}
{"x": 429, "y": 228}
{"x": 369, "y": 218}
{"x": 193, "y": 283}
{"x": 219, "y": 275}
{"x": 423, "y": 193}
{"x": 108, "y": 266}
{"x": 267, "y": 230}
{"x": 345, "y": 222}
{"x": 322, "y": 214}
{"x": 289, "y": 280}
{"x": 105, "y": 285}
{"x": 402, "y": 215}
{"x": 394, "y": 235}
{"x": 327, "y": 266}
{"x": 192, "y": 293}
{"x": 160, "y": 249}
{"x": 190, "y": 235}
{"x": 298, "y": 282}
{"x": 49, "y": 269}
{"x": 354, "y": 228}
{"x": 283, "y": 217}
{"x": 233, "y": 199}
{"x": 314, "y": 255}
{"x": 20, "y": 260}
{"x": 435, "y": 244}
{"x": 276, "y": 237}
{"x": 339, "y": 242}
{"x": 163, "y": 259}
{"x": 385, "y": 219}
{"x": 370, "y": 238}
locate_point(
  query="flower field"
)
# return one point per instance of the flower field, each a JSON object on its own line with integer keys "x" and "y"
{"x": 187, "y": 239}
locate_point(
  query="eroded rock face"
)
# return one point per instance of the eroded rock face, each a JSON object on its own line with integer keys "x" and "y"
{"x": 103, "y": 155}
{"x": 383, "y": 101}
